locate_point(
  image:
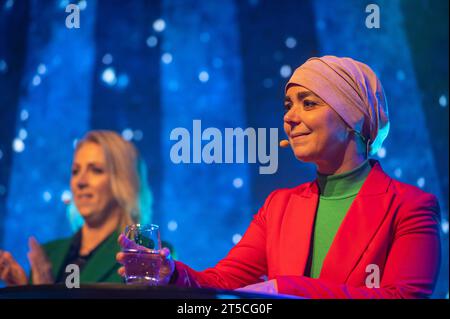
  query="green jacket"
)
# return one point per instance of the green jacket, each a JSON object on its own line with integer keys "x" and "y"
{"x": 101, "y": 267}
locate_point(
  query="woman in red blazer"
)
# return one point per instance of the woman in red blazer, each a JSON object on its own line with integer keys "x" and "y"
{"x": 387, "y": 242}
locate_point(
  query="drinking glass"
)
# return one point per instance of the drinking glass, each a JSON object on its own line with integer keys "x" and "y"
{"x": 142, "y": 258}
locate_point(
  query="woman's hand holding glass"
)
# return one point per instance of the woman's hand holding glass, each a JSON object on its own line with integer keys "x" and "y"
{"x": 128, "y": 255}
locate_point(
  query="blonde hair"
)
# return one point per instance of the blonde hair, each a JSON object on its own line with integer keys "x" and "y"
{"x": 127, "y": 174}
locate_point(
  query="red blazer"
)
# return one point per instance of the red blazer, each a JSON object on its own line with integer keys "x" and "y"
{"x": 390, "y": 224}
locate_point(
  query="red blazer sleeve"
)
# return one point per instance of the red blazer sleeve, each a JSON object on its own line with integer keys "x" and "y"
{"x": 245, "y": 263}
{"x": 411, "y": 267}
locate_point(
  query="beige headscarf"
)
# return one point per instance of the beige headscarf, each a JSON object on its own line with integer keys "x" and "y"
{"x": 353, "y": 90}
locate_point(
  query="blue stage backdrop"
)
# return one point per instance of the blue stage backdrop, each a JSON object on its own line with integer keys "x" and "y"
{"x": 145, "y": 68}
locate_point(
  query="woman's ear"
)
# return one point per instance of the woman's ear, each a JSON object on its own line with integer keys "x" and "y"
{"x": 362, "y": 146}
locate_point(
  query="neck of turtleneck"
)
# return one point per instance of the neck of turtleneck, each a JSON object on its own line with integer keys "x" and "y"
{"x": 343, "y": 185}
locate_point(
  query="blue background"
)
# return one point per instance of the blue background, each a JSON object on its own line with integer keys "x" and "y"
{"x": 143, "y": 68}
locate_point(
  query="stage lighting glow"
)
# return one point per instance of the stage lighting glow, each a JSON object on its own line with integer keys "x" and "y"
{"x": 236, "y": 238}
{"x": 203, "y": 76}
{"x": 159, "y": 25}
{"x": 24, "y": 115}
{"x": 107, "y": 59}
{"x": 82, "y": 4}
{"x": 238, "y": 182}
{"x": 23, "y": 134}
{"x": 401, "y": 75}
{"x": 47, "y": 196}
{"x": 398, "y": 172}
{"x": 122, "y": 81}
{"x": 41, "y": 69}
{"x": 9, "y": 4}
{"x": 3, "y": 66}
{"x": 18, "y": 145}
{"x": 291, "y": 42}
{"x": 152, "y": 41}
{"x": 172, "y": 225}
{"x": 36, "y": 80}
{"x": 127, "y": 134}
{"x": 443, "y": 101}
{"x": 421, "y": 182}
{"x": 285, "y": 71}
{"x": 444, "y": 226}
{"x": 66, "y": 196}
{"x": 63, "y": 4}
{"x": 109, "y": 76}
{"x": 166, "y": 58}
{"x": 381, "y": 152}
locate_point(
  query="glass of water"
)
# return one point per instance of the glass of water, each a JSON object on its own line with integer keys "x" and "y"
{"x": 142, "y": 258}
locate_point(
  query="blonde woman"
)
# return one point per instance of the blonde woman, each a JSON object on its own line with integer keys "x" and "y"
{"x": 108, "y": 183}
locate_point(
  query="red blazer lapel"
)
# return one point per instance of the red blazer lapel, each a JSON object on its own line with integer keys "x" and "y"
{"x": 296, "y": 230}
{"x": 363, "y": 219}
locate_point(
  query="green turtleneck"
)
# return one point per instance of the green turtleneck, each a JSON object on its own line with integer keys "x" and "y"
{"x": 337, "y": 193}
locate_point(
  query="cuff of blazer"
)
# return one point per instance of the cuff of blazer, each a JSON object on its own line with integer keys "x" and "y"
{"x": 183, "y": 277}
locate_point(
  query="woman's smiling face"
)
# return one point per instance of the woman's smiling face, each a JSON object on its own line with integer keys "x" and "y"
{"x": 90, "y": 182}
{"x": 316, "y": 132}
